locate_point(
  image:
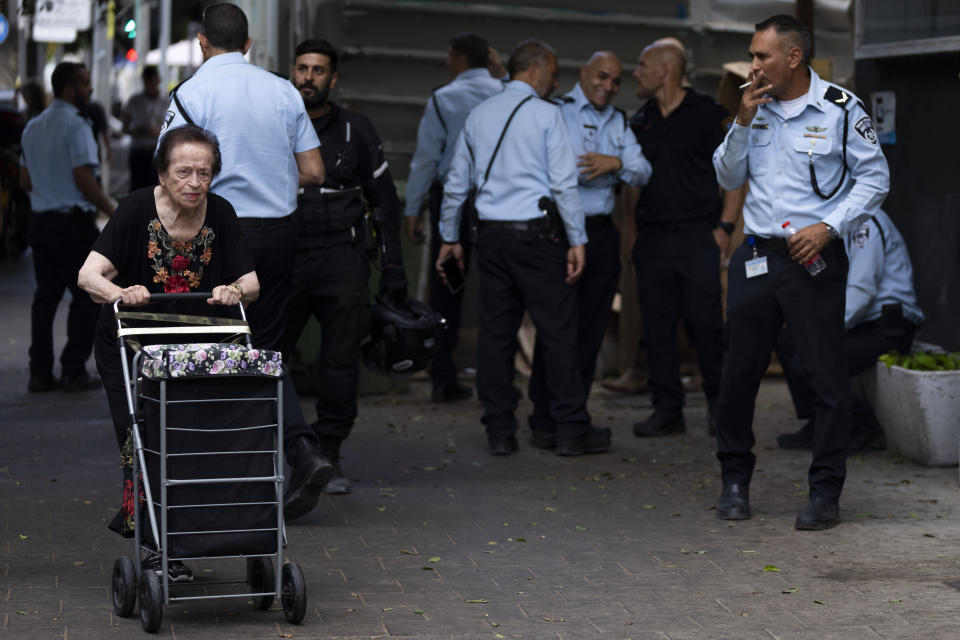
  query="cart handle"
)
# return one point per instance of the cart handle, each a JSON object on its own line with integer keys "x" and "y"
{"x": 190, "y": 295}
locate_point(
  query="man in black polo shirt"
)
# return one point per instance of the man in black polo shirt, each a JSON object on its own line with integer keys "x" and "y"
{"x": 681, "y": 233}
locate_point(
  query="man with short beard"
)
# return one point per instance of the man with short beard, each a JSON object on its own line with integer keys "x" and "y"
{"x": 332, "y": 267}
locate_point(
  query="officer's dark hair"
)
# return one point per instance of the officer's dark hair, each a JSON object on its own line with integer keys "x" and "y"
{"x": 225, "y": 26}
{"x": 528, "y": 53}
{"x": 320, "y": 46}
{"x": 150, "y": 71}
{"x": 474, "y": 46}
{"x": 185, "y": 135}
{"x": 64, "y": 75}
{"x": 793, "y": 30}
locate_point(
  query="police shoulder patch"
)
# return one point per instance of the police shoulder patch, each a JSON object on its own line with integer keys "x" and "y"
{"x": 167, "y": 119}
{"x": 837, "y": 96}
{"x": 862, "y": 234}
{"x": 864, "y": 127}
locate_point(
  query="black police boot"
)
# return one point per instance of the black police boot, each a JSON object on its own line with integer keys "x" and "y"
{"x": 311, "y": 471}
{"x": 595, "y": 440}
{"x": 819, "y": 514}
{"x": 802, "y": 439}
{"x": 734, "y": 502}
{"x": 661, "y": 423}
{"x": 339, "y": 484}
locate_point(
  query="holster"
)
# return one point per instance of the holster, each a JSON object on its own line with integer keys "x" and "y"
{"x": 891, "y": 320}
{"x": 553, "y": 229}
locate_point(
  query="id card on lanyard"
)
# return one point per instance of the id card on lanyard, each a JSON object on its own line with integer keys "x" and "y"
{"x": 758, "y": 265}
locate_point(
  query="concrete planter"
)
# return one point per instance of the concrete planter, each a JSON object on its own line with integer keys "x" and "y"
{"x": 919, "y": 412}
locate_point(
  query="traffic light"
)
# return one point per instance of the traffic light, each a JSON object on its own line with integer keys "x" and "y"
{"x": 131, "y": 28}
{"x": 132, "y": 55}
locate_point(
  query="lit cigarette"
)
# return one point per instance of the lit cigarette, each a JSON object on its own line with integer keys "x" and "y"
{"x": 745, "y": 85}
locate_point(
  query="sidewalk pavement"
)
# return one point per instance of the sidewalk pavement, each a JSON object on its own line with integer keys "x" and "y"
{"x": 441, "y": 540}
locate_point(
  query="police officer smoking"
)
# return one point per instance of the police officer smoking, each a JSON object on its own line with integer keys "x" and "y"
{"x": 805, "y": 145}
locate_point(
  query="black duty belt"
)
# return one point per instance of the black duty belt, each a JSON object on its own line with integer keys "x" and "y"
{"x": 534, "y": 224}
{"x": 602, "y": 221}
{"x": 769, "y": 246}
{"x": 350, "y": 235}
{"x": 672, "y": 226}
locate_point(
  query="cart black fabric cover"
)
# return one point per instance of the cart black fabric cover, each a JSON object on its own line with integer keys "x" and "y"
{"x": 243, "y": 404}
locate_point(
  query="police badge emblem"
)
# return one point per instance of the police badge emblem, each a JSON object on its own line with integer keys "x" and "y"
{"x": 864, "y": 127}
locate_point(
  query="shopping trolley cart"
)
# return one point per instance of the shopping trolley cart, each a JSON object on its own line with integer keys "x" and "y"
{"x": 207, "y": 434}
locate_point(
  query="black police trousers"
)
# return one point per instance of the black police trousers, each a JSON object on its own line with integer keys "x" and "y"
{"x": 678, "y": 275}
{"x": 520, "y": 271}
{"x": 595, "y": 292}
{"x": 61, "y": 243}
{"x": 813, "y": 309}
{"x": 332, "y": 285}
{"x": 272, "y": 243}
{"x": 864, "y": 343}
{"x": 443, "y": 371}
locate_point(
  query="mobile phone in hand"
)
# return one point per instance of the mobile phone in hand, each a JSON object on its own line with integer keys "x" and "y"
{"x": 454, "y": 274}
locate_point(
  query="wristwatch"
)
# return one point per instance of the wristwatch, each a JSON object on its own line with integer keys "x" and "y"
{"x": 832, "y": 233}
{"x": 727, "y": 227}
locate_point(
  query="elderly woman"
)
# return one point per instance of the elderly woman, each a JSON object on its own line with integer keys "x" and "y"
{"x": 173, "y": 238}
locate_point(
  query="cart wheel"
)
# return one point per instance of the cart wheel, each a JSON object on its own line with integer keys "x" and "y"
{"x": 261, "y": 578}
{"x": 294, "y": 596}
{"x": 123, "y": 587}
{"x": 151, "y": 601}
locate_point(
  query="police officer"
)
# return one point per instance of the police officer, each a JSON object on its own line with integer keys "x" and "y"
{"x": 607, "y": 153}
{"x": 58, "y": 170}
{"x": 683, "y": 227}
{"x": 268, "y": 148}
{"x": 881, "y": 316}
{"x": 442, "y": 121}
{"x": 811, "y": 156}
{"x": 515, "y": 149}
{"x": 332, "y": 266}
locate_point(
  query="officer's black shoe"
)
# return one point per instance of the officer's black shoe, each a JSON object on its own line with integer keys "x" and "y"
{"x": 712, "y": 416}
{"x": 542, "y": 439}
{"x": 503, "y": 445}
{"x": 595, "y": 440}
{"x": 660, "y": 423}
{"x": 40, "y": 384}
{"x": 82, "y": 382}
{"x": 819, "y": 514}
{"x": 339, "y": 484}
{"x": 802, "y": 439}
{"x": 311, "y": 471}
{"x": 862, "y": 440}
{"x": 734, "y": 502}
{"x": 452, "y": 392}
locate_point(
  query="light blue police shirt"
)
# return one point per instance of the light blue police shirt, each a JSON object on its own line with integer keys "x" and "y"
{"x": 54, "y": 143}
{"x": 260, "y": 121}
{"x": 436, "y": 138}
{"x": 773, "y": 152}
{"x": 603, "y": 132}
{"x": 880, "y": 272}
{"x": 534, "y": 160}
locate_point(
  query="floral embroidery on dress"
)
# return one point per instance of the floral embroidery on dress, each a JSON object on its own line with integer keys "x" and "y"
{"x": 178, "y": 265}
{"x": 165, "y": 361}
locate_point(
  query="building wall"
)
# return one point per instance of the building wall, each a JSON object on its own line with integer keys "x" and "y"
{"x": 924, "y": 199}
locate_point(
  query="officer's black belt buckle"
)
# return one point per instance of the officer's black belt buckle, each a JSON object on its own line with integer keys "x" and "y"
{"x": 350, "y": 235}
{"x": 769, "y": 246}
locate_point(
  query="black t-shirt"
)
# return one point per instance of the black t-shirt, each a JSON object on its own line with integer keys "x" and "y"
{"x": 139, "y": 247}
{"x": 683, "y": 185}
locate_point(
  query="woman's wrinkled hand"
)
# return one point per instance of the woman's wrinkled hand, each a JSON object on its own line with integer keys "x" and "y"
{"x": 225, "y": 294}
{"x": 135, "y": 296}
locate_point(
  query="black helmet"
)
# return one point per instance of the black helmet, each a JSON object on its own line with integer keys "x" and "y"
{"x": 403, "y": 337}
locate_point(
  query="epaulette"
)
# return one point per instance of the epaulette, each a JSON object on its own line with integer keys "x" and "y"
{"x": 838, "y": 96}
{"x": 564, "y": 99}
{"x": 179, "y": 84}
{"x": 549, "y": 101}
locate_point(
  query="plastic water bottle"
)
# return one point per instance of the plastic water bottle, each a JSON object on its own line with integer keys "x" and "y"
{"x": 814, "y": 266}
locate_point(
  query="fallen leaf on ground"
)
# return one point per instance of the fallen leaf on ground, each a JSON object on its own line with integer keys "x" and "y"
{"x": 770, "y": 567}
{"x": 434, "y": 559}
{"x": 790, "y": 590}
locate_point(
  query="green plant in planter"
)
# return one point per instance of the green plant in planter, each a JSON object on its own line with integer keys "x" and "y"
{"x": 922, "y": 361}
